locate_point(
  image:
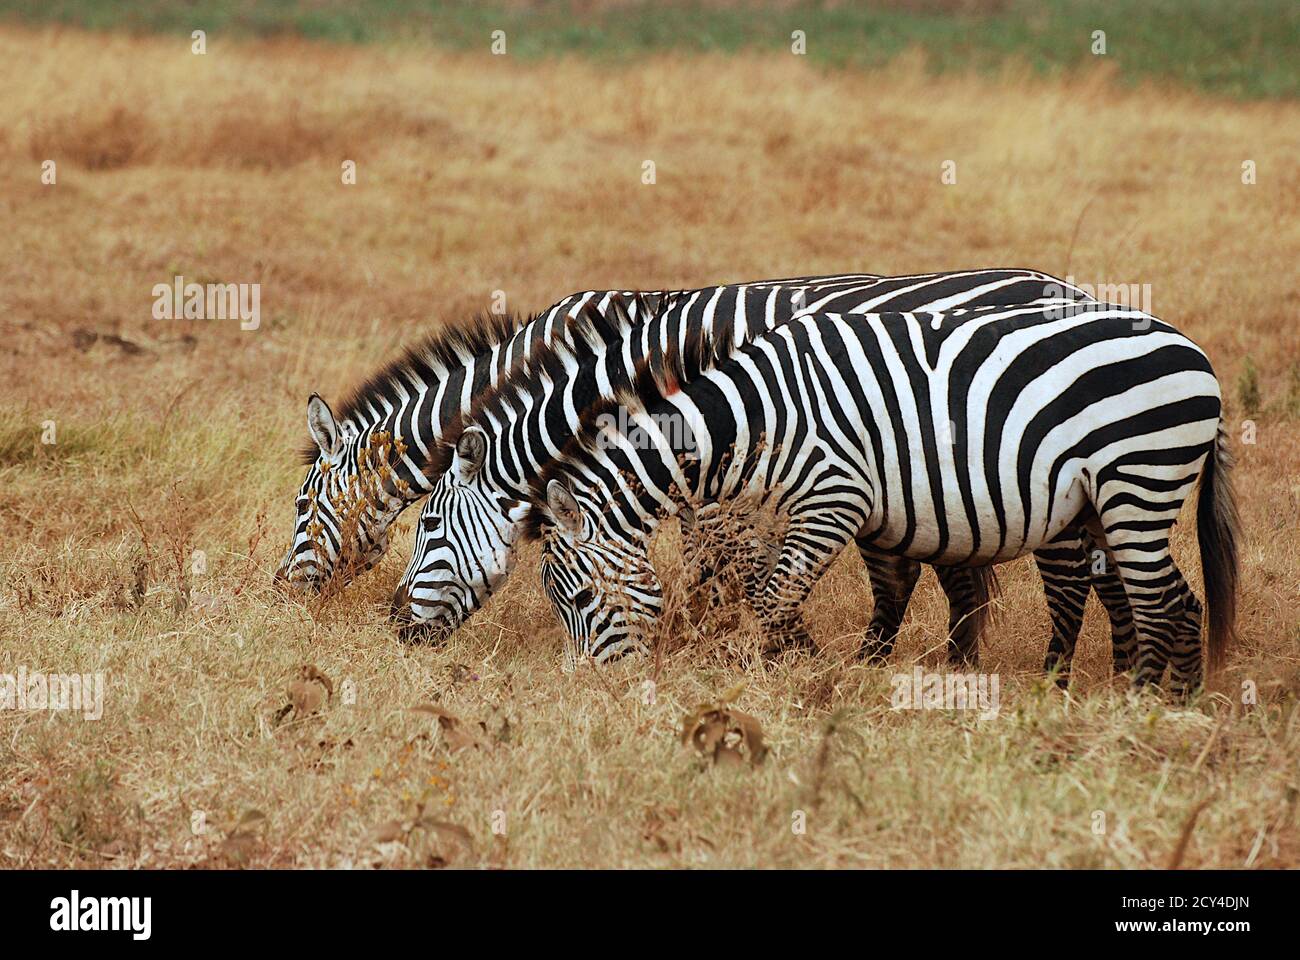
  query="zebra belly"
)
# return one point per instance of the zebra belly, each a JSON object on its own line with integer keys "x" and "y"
{"x": 951, "y": 539}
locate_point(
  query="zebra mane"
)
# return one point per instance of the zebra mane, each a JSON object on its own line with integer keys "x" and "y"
{"x": 649, "y": 383}
{"x": 576, "y": 340}
{"x": 589, "y": 334}
{"x": 429, "y": 360}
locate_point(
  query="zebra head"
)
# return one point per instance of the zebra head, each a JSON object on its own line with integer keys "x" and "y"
{"x": 339, "y": 527}
{"x": 600, "y": 583}
{"x": 464, "y": 545}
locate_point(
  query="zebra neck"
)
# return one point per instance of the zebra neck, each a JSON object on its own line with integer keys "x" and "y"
{"x": 400, "y": 437}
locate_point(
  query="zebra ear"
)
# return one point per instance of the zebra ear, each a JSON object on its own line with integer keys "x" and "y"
{"x": 321, "y": 426}
{"x": 563, "y": 507}
{"x": 471, "y": 451}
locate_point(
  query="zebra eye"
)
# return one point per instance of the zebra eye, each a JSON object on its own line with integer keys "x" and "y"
{"x": 583, "y": 598}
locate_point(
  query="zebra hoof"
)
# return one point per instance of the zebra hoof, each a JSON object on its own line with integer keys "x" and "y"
{"x": 422, "y": 634}
{"x": 875, "y": 653}
{"x": 777, "y": 649}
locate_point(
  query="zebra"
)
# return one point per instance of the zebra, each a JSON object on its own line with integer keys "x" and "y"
{"x": 380, "y": 452}
{"x": 466, "y": 536}
{"x": 971, "y": 437}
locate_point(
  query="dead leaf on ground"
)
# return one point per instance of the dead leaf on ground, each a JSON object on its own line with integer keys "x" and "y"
{"x": 83, "y": 339}
{"x": 457, "y": 734}
{"x": 386, "y": 832}
{"x": 242, "y": 841}
{"x": 321, "y": 755}
{"x": 306, "y": 694}
{"x": 660, "y": 821}
{"x": 451, "y": 842}
{"x": 450, "y": 832}
{"x": 250, "y": 819}
{"x": 310, "y": 672}
{"x": 114, "y": 849}
{"x": 207, "y": 604}
{"x": 461, "y": 673}
{"x": 239, "y": 848}
{"x": 719, "y": 731}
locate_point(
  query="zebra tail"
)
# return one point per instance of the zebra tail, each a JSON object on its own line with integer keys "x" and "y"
{"x": 1218, "y": 528}
{"x": 984, "y": 588}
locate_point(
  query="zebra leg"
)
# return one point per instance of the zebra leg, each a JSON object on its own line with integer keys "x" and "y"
{"x": 1110, "y": 591}
{"x": 968, "y": 591}
{"x": 892, "y": 581}
{"x": 1071, "y": 565}
{"x": 1166, "y": 614}
{"x": 1063, "y": 566}
{"x": 719, "y": 567}
{"x": 807, "y": 549}
{"x": 1185, "y": 667}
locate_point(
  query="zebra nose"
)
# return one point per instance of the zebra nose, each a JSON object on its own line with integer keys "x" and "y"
{"x": 401, "y": 607}
{"x": 305, "y": 580}
{"x": 412, "y": 631}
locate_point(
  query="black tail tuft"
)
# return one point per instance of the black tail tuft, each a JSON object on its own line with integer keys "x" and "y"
{"x": 1218, "y": 528}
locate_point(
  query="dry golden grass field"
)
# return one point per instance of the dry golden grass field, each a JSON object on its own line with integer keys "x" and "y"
{"x": 140, "y": 543}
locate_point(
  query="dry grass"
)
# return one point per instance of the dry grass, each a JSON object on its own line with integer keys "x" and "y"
{"x": 480, "y": 173}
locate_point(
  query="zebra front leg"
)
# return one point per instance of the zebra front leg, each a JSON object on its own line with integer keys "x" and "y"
{"x": 786, "y": 633}
{"x": 806, "y": 551}
{"x": 780, "y": 616}
{"x": 892, "y": 581}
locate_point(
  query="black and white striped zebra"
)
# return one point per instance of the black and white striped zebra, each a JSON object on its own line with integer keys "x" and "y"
{"x": 970, "y": 437}
{"x": 376, "y": 456}
{"x": 466, "y": 537}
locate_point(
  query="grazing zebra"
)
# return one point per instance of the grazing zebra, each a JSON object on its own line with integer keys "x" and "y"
{"x": 468, "y": 530}
{"x": 971, "y": 437}
{"x": 381, "y": 451}
{"x": 377, "y": 455}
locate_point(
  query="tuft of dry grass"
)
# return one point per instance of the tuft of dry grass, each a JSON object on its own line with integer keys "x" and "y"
{"x": 140, "y": 544}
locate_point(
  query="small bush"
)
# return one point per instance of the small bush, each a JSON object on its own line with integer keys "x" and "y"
{"x": 94, "y": 139}
{"x": 1248, "y": 392}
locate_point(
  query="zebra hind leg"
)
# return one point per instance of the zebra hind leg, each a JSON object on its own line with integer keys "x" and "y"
{"x": 969, "y": 591}
{"x": 1166, "y": 614}
{"x": 1063, "y": 566}
{"x": 1110, "y": 591}
{"x": 892, "y": 581}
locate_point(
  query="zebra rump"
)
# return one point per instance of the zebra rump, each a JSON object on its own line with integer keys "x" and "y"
{"x": 1059, "y": 414}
